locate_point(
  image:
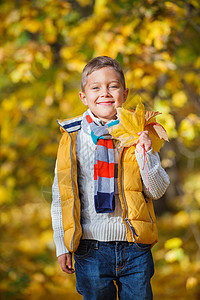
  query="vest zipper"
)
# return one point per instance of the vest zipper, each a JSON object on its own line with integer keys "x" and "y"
{"x": 126, "y": 217}
{"x": 73, "y": 191}
{"x": 131, "y": 227}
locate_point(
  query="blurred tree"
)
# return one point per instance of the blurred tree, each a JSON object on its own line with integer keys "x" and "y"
{"x": 44, "y": 44}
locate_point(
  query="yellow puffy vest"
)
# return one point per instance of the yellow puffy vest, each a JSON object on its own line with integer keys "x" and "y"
{"x": 138, "y": 212}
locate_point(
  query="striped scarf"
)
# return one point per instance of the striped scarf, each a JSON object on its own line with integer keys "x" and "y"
{"x": 104, "y": 165}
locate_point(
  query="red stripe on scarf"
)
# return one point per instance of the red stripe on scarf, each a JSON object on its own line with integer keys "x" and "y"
{"x": 104, "y": 169}
{"x": 106, "y": 143}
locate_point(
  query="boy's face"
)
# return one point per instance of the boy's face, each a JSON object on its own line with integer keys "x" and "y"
{"x": 103, "y": 93}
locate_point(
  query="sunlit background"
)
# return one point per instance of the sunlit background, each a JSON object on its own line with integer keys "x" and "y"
{"x": 44, "y": 45}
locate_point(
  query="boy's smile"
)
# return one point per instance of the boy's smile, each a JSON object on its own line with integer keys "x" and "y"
{"x": 103, "y": 93}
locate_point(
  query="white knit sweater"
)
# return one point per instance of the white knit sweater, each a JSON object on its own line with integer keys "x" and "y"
{"x": 98, "y": 226}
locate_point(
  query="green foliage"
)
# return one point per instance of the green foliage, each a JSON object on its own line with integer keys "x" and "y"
{"x": 44, "y": 44}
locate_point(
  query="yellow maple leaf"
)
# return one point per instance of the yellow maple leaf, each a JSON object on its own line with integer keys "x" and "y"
{"x": 133, "y": 122}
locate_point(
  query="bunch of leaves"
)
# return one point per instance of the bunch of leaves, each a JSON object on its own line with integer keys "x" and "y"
{"x": 133, "y": 122}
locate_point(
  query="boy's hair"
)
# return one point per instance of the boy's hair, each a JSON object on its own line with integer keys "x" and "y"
{"x": 100, "y": 62}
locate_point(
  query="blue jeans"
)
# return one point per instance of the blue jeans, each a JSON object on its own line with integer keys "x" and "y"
{"x": 101, "y": 266}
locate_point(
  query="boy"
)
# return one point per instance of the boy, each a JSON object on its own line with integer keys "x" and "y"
{"x": 101, "y": 209}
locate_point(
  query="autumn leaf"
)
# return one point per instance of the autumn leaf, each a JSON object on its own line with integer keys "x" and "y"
{"x": 151, "y": 114}
{"x": 133, "y": 122}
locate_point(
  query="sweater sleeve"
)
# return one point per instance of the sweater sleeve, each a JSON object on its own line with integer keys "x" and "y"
{"x": 56, "y": 215}
{"x": 158, "y": 178}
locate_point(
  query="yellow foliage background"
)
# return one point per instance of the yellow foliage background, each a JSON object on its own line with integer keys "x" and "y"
{"x": 44, "y": 44}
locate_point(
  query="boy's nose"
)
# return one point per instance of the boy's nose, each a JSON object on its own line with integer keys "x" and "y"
{"x": 105, "y": 93}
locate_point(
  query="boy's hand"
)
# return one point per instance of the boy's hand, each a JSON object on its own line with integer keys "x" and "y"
{"x": 144, "y": 140}
{"x": 65, "y": 261}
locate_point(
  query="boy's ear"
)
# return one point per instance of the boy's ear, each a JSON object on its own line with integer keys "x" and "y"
{"x": 126, "y": 94}
{"x": 83, "y": 98}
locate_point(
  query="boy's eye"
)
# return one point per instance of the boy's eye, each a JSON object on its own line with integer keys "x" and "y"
{"x": 95, "y": 87}
{"x": 113, "y": 86}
